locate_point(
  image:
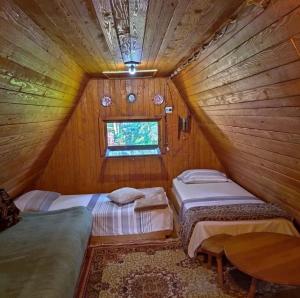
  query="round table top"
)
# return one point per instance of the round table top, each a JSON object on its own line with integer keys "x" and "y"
{"x": 270, "y": 257}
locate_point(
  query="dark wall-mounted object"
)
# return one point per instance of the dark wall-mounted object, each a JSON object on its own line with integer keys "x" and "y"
{"x": 184, "y": 124}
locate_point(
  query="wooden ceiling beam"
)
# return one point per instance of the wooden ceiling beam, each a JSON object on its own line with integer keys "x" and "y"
{"x": 105, "y": 17}
{"x": 120, "y": 10}
{"x": 137, "y": 20}
{"x": 123, "y": 26}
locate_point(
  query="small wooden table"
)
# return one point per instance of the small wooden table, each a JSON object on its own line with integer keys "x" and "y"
{"x": 271, "y": 257}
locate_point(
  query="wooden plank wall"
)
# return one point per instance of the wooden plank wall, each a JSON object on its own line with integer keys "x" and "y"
{"x": 76, "y": 165}
{"x": 245, "y": 90}
{"x": 38, "y": 88}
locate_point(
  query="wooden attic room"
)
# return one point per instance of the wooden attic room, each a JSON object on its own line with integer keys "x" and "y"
{"x": 149, "y": 148}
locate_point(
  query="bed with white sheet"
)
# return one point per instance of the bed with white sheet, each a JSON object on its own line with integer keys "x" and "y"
{"x": 109, "y": 219}
{"x": 190, "y": 196}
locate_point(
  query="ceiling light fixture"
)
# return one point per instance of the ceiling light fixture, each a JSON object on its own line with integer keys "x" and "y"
{"x": 140, "y": 73}
{"x": 132, "y": 66}
{"x": 132, "y": 69}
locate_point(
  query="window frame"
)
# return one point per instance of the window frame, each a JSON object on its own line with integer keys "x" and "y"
{"x": 159, "y": 146}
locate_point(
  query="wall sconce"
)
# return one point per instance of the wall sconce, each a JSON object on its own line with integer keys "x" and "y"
{"x": 184, "y": 125}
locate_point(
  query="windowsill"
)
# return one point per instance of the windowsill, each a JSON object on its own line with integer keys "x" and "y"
{"x": 132, "y": 153}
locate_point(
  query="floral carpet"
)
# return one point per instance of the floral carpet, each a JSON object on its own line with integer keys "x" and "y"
{"x": 161, "y": 271}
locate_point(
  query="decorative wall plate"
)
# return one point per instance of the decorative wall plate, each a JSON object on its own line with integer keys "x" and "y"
{"x": 106, "y": 101}
{"x": 158, "y": 99}
{"x": 131, "y": 97}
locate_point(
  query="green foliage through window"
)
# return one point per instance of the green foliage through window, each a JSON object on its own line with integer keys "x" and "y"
{"x": 132, "y": 138}
{"x": 133, "y": 133}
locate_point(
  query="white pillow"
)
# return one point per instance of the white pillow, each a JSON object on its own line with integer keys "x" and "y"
{"x": 36, "y": 200}
{"x": 196, "y": 179}
{"x": 125, "y": 195}
{"x": 200, "y": 173}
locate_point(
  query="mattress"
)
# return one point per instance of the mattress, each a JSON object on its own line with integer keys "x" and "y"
{"x": 110, "y": 219}
{"x": 206, "y": 229}
{"x": 41, "y": 256}
{"x": 186, "y": 192}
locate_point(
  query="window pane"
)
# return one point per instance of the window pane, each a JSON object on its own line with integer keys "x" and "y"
{"x": 132, "y": 133}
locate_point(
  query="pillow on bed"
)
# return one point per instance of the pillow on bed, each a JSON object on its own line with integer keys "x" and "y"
{"x": 36, "y": 200}
{"x": 203, "y": 176}
{"x": 203, "y": 179}
{"x": 9, "y": 213}
{"x": 125, "y": 195}
{"x": 200, "y": 173}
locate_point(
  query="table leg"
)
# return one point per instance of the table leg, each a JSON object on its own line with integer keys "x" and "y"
{"x": 209, "y": 261}
{"x": 220, "y": 270}
{"x": 252, "y": 290}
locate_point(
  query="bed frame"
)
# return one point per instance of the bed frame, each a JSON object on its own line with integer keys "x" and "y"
{"x": 172, "y": 198}
{"x": 122, "y": 239}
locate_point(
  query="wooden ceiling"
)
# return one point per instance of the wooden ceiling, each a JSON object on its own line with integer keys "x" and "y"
{"x": 103, "y": 34}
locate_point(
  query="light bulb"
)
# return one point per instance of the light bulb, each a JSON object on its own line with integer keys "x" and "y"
{"x": 132, "y": 69}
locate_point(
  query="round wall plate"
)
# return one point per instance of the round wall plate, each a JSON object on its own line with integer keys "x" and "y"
{"x": 158, "y": 99}
{"x": 131, "y": 97}
{"x": 106, "y": 101}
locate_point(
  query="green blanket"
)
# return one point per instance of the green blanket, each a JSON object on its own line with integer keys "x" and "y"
{"x": 41, "y": 256}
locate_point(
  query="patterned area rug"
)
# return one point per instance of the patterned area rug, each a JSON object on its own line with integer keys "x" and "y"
{"x": 161, "y": 271}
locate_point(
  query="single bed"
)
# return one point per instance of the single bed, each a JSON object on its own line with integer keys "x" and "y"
{"x": 41, "y": 256}
{"x": 194, "y": 195}
{"x": 110, "y": 219}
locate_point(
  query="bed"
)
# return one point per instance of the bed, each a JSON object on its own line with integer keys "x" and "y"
{"x": 110, "y": 219}
{"x": 193, "y": 196}
{"x": 41, "y": 256}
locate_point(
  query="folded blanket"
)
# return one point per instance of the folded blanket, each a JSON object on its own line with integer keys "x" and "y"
{"x": 153, "y": 191}
{"x": 151, "y": 202}
{"x": 223, "y": 209}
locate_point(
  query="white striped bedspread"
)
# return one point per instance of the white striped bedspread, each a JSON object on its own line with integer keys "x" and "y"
{"x": 109, "y": 219}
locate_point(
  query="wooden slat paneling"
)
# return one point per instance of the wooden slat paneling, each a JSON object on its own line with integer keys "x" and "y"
{"x": 39, "y": 83}
{"x": 98, "y": 34}
{"x": 77, "y": 166}
{"x": 245, "y": 91}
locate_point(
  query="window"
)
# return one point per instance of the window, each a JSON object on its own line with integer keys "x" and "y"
{"x": 132, "y": 138}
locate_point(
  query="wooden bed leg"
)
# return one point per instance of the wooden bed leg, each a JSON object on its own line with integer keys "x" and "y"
{"x": 252, "y": 290}
{"x": 209, "y": 261}
{"x": 220, "y": 270}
